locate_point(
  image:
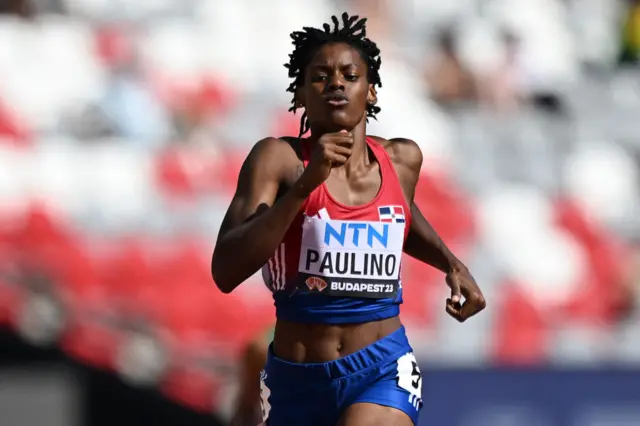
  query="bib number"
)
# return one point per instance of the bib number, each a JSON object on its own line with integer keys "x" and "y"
{"x": 410, "y": 378}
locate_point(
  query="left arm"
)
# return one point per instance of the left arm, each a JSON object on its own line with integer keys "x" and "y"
{"x": 424, "y": 244}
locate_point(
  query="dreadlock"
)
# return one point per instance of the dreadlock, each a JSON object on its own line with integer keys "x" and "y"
{"x": 309, "y": 40}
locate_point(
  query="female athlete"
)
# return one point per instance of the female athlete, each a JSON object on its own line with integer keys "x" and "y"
{"x": 327, "y": 218}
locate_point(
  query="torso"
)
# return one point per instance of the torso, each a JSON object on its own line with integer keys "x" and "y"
{"x": 373, "y": 202}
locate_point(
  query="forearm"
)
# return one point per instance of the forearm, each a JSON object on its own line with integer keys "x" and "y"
{"x": 243, "y": 250}
{"x": 424, "y": 244}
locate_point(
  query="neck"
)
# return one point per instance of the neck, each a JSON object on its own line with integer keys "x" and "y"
{"x": 359, "y": 153}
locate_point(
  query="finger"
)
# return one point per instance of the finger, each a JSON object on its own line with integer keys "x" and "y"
{"x": 337, "y": 159}
{"x": 340, "y": 136}
{"x": 342, "y": 150}
{"x": 466, "y": 311}
{"x": 345, "y": 133}
{"x": 454, "y": 283}
{"x": 453, "y": 309}
{"x": 472, "y": 305}
{"x": 343, "y": 141}
{"x": 330, "y": 150}
{"x": 345, "y": 144}
{"x": 338, "y": 139}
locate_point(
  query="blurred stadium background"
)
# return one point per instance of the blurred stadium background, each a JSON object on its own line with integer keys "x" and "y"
{"x": 122, "y": 128}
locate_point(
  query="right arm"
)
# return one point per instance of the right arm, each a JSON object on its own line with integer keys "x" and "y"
{"x": 255, "y": 222}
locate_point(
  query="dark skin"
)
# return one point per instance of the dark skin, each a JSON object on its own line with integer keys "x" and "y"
{"x": 273, "y": 185}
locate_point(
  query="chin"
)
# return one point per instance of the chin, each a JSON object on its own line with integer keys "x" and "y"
{"x": 339, "y": 120}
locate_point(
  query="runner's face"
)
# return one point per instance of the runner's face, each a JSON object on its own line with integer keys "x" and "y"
{"x": 336, "y": 90}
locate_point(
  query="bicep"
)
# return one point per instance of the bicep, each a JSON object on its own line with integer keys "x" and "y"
{"x": 258, "y": 185}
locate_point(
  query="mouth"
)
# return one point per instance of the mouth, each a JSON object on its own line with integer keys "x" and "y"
{"x": 336, "y": 99}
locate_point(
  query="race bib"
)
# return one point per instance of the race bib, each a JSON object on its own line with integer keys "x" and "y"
{"x": 349, "y": 258}
{"x": 410, "y": 378}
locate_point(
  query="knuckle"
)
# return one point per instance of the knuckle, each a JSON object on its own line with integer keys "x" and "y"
{"x": 482, "y": 303}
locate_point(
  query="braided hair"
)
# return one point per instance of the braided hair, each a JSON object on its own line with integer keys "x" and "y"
{"x": 309, "y": 40}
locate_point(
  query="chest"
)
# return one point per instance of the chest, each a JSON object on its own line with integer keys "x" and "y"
{"x": 356, "y": 189}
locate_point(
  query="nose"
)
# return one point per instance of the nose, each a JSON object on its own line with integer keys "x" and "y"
{"x": 335, "y": 84}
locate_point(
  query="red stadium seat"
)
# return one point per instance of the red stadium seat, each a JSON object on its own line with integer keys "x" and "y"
{"x": 192, "y": 388}
{"x": 600, "y": 298}
{"x": 12, "y": 129}
{"x": 192, "y": 318}
{"x": 207, "y": 331}
{"x": 40, "y": 227}
{"x": 93, "y": 333}
{"x": 286, "y": 123}
{"x": 231, "y": 169}
{"x": 184, "y": 173}
{"x": 172, "y": 175}
{"x": 94, "y": 337}
{"x": 419, "y": 282}
{"x": 197, "y": 100}
{"x": 213, "y": 97}
{"x": 113, "y": 46}
{"x": 11, "y": 299}
{"x": 445, "y": 207}
{"x": 9, "y": 291}
{"x": 46, "y": 247}
{"x": 110, "y": 306}
{"x": 521, "y": 332}
{"x": 186, "y": 266}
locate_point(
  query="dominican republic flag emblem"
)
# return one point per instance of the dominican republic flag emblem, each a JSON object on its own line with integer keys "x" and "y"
{"x": 393, "y": 214}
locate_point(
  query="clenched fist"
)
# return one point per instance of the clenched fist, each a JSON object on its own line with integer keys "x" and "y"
{"x": 462, "y": 284}
{"x": 331, "y": 150}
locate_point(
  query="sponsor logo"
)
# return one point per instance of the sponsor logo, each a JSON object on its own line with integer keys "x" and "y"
{"x": 316, "y": 283}
{"x": 356, "y": 287}
{"x": 359, "y": 234}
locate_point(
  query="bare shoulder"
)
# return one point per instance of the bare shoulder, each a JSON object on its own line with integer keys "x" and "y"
{"x": 403, "y": 152}
{"x": 271, "y": 163}
{"x": 274, "y": 147}
{"x": 278, "y": 155}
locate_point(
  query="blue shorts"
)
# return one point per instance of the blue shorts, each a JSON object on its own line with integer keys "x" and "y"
{"x": 384, "y": 373}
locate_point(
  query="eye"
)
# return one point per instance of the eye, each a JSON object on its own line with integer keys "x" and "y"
{"x": 351, "y": 77}
{"x": 319, "y": 77}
